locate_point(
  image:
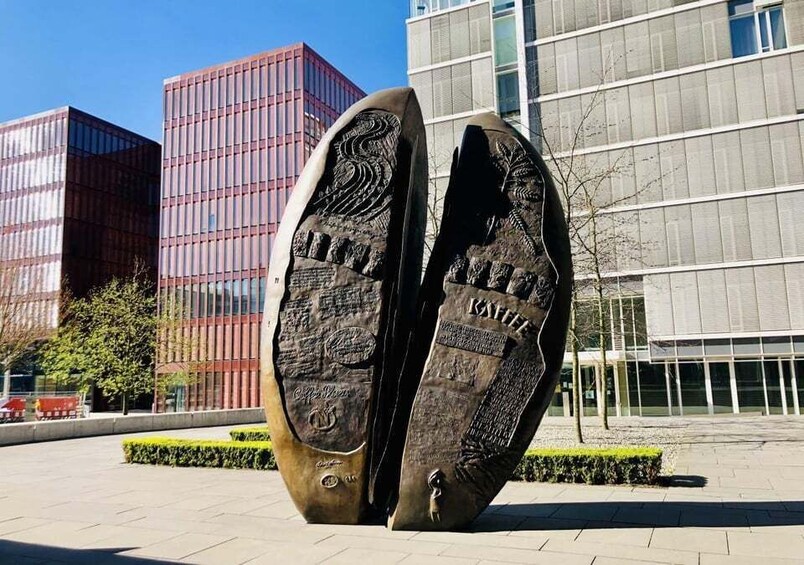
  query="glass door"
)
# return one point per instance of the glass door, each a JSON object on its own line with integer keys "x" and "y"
{"x": 720, "y": 378}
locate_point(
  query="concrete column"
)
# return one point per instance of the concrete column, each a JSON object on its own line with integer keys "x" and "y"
{"x": 710, "y": 401}
{"x": 735, "y": 402}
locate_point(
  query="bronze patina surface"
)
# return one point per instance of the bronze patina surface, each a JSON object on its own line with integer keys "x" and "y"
{"x": 491, "y": 331}
{"x": 340, "y": 305}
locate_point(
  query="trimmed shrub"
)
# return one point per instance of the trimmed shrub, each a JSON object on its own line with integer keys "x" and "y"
{"x": 591, "y": 465}
{"x": 200, "y": 453}
{"x": 256, "y": 433}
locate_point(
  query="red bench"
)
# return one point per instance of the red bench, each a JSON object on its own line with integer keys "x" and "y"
{"x": 57, "y": 408}
{"x": 12, "y": 410}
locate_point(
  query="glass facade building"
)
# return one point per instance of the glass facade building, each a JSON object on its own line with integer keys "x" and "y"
{"x": 705, "y": 100}
{"x": 236, "y": 137}
{"x": 79, "y": 203}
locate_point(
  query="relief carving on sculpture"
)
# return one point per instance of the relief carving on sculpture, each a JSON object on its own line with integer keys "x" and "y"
{"x": 496, "y": 291}
{"x": 344, "y": 271}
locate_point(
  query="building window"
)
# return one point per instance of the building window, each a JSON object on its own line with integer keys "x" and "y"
{"x": 504, "y": 41}
{"x": 508, "y": 93}
{"x": 755, "y": 31}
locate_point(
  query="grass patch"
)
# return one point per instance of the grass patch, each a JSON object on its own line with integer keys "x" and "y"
{"x": 200, "y": 453}
{"x": 591, "y": 465}
{"x": 256, "y": 433}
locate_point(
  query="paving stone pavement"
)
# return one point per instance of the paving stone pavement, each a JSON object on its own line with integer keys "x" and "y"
{"x": 737, "y": 499}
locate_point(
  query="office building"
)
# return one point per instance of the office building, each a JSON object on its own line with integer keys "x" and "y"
{"x": 236, "y": 137}
{"x": 79, "y": 204}
{"x": 705, "y": 100}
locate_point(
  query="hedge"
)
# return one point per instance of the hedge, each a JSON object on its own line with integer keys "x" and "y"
{"x": 256, "y": 433}
{"x": 200, "y": 453}
{"x": 615, "y": 465}
{"x": 591, "y": 465}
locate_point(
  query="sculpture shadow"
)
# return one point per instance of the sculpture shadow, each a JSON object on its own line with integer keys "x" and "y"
{"x": 17, "y": 552}
{"x": 652, "y": 514}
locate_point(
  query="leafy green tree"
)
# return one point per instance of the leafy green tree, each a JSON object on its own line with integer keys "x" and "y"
{"x": 108, "y": 339}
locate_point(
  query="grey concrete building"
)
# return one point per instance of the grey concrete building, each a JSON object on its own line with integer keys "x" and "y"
{"x": 705, "y": 100}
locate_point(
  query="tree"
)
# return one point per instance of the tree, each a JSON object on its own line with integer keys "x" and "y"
{"x": 22, "y": 325}
{"x": 599, "y": 234}
{"x": 108, "y": 339}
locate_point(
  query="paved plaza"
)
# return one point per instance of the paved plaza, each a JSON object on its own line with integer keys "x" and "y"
{"x": 737, "y": 497}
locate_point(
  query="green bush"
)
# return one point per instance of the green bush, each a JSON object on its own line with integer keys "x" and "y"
{"x": 590, "y": 465}
{"x": 256, "y": 433}
{"x": 200, "y": 453}
{"x": 596, "y": 466}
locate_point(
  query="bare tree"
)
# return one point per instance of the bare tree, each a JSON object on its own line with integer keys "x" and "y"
{"x": 23, "y": 319}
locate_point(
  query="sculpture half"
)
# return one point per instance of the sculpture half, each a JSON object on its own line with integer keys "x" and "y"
{"x": 491, "y": 331}
{"x": 340, "y": 303}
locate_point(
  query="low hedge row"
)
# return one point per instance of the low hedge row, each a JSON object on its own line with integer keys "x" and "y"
{"x": 200, "y": 453}
{"x": 256, "y": 433}
{"x": 591, "y": 465}
{"x": 616, "y": 465}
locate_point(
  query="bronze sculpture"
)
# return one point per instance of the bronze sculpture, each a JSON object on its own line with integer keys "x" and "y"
{"x": 379, "y": 402}
{"x": 490, "y": 337}
{"x": 340, "y": 303}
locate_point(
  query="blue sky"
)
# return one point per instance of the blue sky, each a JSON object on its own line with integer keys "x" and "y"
{"x": 109, "y": 57}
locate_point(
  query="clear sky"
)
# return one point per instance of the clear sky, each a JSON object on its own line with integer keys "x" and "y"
{"x": 109, "y": 57}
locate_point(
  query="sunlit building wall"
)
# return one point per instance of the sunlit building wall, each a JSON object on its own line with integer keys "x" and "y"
{"x": 236, "y": 137}
{"x": 699, "y": 104}
{"x": 78, "y": 204}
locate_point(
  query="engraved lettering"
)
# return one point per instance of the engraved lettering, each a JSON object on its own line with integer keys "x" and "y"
{"x": 327, "y": 392}
{"x": 486, "y": 309}
{"x": 314, "y": 278}
{"x": 329, "y": 481}
{"x": 347, "y": 301}
{"x": 465, "y": 337}
{"x": 328, "y": 464}
{"x": 350, "y": 346}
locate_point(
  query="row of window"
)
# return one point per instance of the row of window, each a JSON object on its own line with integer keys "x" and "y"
{"x": 770, "y": 386}
{"x": 218, "y": 256}
{"x": 133, "y": 186}
{"x": 213, "y": 391}
{"x": 747, "y": 299}
{"x": 225, "y": 340}
{"x": 32, "y": 139}
{"x": 455, "y": 89}
{"x": 233, "y": 129}
{"x": 33, "y": 242}
{"x": 37, "y": 278}
{"x": 32, "y": 173}
{"x": 727, "y": 347}
{"x": 554, "y": 17}
{"x": 135, "y": 152}
{"x": 229, "y": 213}
{"x": 739, "y": 229}
{"x": 222, "y": 298}
{"x": 450, "y": 36}
{"x": 422, "y": 7}
{"x": 234, "y": 88}
{"x": 31, "y": 207}
{"x": 269, "y": 79}
{"x": 236, "y": 169}
{"x": 717, "y": 97}
{"x": 722, "y": 163}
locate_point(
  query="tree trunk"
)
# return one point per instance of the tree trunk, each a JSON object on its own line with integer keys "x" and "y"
{"x": 125, "y": 404}
{"x": 576, "y": 377}
{"x": 7, "y": 382}
{"x": 604, "y": 384}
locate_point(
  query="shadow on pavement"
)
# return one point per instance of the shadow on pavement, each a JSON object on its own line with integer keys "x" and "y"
{"x": 34, "y": 554}
{"x": 684, "y": 481}
{"x": 601, "y": 515}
